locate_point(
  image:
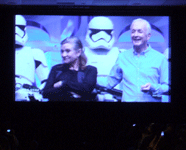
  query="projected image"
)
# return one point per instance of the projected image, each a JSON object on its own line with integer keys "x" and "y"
{"x": 92, "y": 58}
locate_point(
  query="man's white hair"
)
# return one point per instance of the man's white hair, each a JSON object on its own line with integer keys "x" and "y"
{"x": 148, "y": 26}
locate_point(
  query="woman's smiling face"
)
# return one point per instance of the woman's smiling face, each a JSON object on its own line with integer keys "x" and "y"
{"x": 69, "y": 54}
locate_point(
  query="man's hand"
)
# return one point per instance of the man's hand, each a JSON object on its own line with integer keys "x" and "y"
{"x": 146, "y": 87}
{"x": 58, "y": 84}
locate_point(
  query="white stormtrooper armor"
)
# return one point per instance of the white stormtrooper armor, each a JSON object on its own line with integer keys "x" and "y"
{"x": 28, "y": 61}
{"x": 20, "y": 30}
{"x": 100, "y": 33}
{"x": 100, "y": 51}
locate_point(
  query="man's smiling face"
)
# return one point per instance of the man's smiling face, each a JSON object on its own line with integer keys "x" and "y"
{"x": 139, "y": 34}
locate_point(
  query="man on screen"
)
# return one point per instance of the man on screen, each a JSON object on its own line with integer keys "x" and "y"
{"x": 144, "y": 71}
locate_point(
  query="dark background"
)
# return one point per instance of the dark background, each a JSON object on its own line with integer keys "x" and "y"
{"x": 67, "y": 123}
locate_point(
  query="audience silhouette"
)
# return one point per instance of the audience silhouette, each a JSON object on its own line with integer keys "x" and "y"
{"x": 152, "y": 136}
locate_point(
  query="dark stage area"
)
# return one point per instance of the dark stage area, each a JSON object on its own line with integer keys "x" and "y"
{"x": 89, "y": 125}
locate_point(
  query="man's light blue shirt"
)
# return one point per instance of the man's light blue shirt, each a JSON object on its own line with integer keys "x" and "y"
{"x": 134, "y": 71}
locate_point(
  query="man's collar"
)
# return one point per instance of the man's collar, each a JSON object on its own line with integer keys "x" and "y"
{"x": 143, "y": 52}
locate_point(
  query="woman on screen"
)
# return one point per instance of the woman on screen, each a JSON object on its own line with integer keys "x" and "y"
{"x": 71, "y": 80}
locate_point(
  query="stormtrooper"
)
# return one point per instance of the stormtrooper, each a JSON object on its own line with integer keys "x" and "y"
{"x": 100, "y": 50}
{"x": 28, "y": 63}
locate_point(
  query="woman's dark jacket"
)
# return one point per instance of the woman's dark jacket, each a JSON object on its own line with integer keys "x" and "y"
{"x": 81, "y": 82}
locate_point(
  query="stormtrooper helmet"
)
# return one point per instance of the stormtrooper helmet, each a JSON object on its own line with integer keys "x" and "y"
{"x": 100, "y": 33}
{"x": 20, "y": 30}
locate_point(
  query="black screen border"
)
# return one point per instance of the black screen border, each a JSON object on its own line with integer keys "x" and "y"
{"x": 129, "y": 111}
